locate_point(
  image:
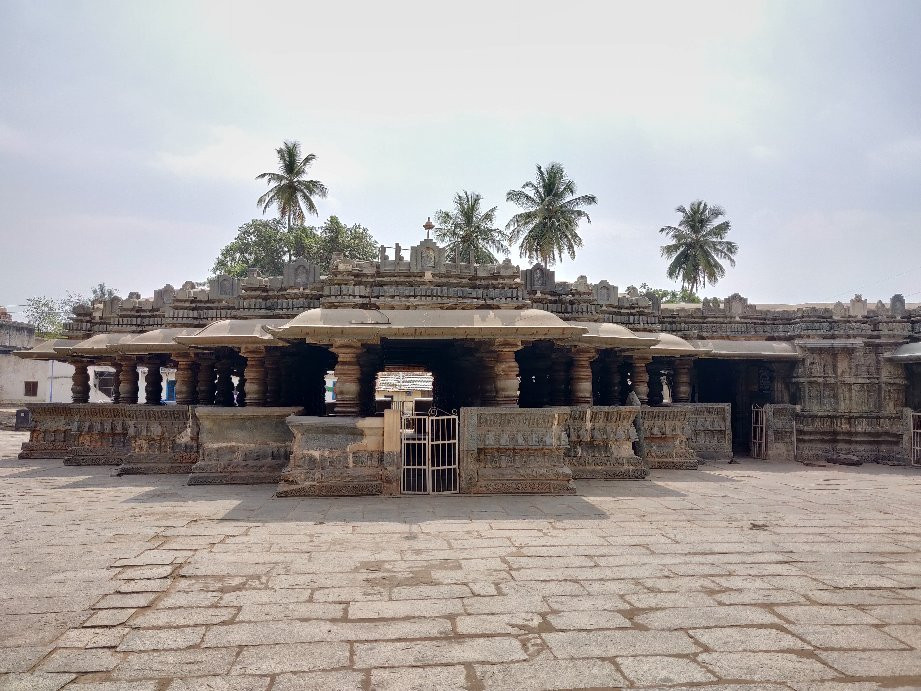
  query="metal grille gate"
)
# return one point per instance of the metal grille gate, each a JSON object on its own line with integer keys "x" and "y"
{"x": 428, "y": 444}
{"x": 759, "y": 438}
{"x": 916, "y": 439}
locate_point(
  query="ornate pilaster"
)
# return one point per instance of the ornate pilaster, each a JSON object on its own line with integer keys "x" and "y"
{"x": 185, "y": 379}
{"x": 205, "y": 378}
{"x": 255, "y": 381}
{"x": 117, "y": 378}
{"x": 80, "y": 386}
{"x": 223, "y": 395}
{"x": 682, "y": 393}
{"x": 272, "y": 377}
{"x": 640, "y": 376}
{"x": 348, "y": 373}
{"x": 559, "y": 378}
{"x": 580, "y": 377}
{"x": 128, "y": 381}
{"x": 153, "y": 384}
{"x": 506, "y": 372}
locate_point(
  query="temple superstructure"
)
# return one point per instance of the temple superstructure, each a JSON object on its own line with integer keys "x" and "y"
{"x": 550, "y": 380}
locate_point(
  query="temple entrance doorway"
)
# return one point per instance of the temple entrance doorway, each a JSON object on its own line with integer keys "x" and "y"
{"x": 428, "y": 451}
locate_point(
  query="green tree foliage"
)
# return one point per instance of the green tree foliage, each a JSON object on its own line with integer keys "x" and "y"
{"x": 468, "y": 228}
{"x": 290, "y": 191}
{"x": 548, "y": 226}
{"x": 671, "y": 296}
{"x": 267, "y": 245}
{"x": 101, "y": 291}
{"x": 698, "y": 243}
{"x": 352, "y": 242}
{"x": 47, "y": 315}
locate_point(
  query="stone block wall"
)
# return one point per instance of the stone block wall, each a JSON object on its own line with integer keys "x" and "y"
{"x": 242, "y": 445}
{"x": 339, "y": 456}
{"x": 514, "y": 451}
{"x": 709, "y": 430}
{"x": 665, "y": 438}
{"x": 780, "y": 433}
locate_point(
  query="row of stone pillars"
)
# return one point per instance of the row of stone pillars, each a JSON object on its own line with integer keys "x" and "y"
{"x": 486, "y": 373}
{"x": 200, "y": 378}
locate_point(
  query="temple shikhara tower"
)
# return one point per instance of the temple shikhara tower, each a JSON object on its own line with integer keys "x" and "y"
{"x": 534, "y": 381}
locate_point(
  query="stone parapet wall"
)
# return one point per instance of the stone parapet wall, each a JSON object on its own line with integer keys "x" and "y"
{"x": 665, "y": 437}
{"x": 242, "y": 445}
{"x": 51, "y": 434}
{"x": 851, "y": 438}
{"x": 514, "y": 451}
{"x": 601, "y": 444}
{"x": 143, "y": 438}
{"x": 709, "y": 430}
{"x": 339, "y": 456}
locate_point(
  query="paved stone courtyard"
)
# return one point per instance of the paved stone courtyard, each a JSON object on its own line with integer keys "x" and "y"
{"x": 756, "y": 575}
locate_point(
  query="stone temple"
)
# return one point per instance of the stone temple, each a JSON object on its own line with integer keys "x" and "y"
{"x": 535, "y": 382}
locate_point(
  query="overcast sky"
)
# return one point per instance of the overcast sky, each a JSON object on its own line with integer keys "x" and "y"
{"x": 130, "y": 132}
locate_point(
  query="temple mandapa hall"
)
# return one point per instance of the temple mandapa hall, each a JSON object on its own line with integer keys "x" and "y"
{"x": 534, "y": 382}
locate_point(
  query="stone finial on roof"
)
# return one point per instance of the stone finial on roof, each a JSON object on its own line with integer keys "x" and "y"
{"x": 428, "y": 225}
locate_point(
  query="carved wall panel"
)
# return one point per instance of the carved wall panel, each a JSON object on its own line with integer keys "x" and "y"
{"x": 710, "y": 429}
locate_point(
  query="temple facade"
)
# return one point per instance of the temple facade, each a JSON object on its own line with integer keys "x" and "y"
{"x": 535, "y": 382}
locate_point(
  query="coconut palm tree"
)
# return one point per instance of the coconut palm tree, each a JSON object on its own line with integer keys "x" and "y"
{"x": 548, "y": 225}
{"x": 697, "y": 245}
{"x": 290, "y": 190}
{"x": 467, "y": 229}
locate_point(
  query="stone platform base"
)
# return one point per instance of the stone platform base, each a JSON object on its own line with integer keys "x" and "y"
{"x": 249, "y": 446}
{"x": 37, "y": 450}
{"x": 156, "y": 464}
{"x": 673, "y": 464}
{"x": 89, "y": 456}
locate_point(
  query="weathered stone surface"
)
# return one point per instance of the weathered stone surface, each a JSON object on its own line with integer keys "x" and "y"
{"x": 249, "y": 445}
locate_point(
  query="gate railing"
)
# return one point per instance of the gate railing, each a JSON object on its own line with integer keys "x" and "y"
{"x": 759, "y": 436}
{"x": 428, "y": 445}
{"x": 916, "y": 439}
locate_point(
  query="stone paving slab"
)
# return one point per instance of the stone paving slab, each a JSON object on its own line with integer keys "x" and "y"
{"x": 768, "y": 576}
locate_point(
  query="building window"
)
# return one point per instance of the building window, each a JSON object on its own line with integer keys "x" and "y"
{"x": 31, "y": 388}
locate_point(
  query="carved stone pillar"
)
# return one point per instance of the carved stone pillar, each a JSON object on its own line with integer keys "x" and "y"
{"x": 185, "y": 379}
{"x": 223, "y": 395}
{"x": 559, "y": 378}
{"x": 117, "y": 379}
{"x": 580, "y": 377}
{"x": 272, "y": 377}
{"x": 506, "y": 372}
{"x": 239, "y": 368}
{"x": 348, "y": 373}
{"x": 640, "y": 376}
{"x": 128, "y": 382}
{"x": 610, "y": 394}
{"x": 153, "y": 384}
{"x": 255, "y": 381}
{"x": 683, "y": 367}
{"x": 80, "y": 383}
{"x": 205, "y": 378}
